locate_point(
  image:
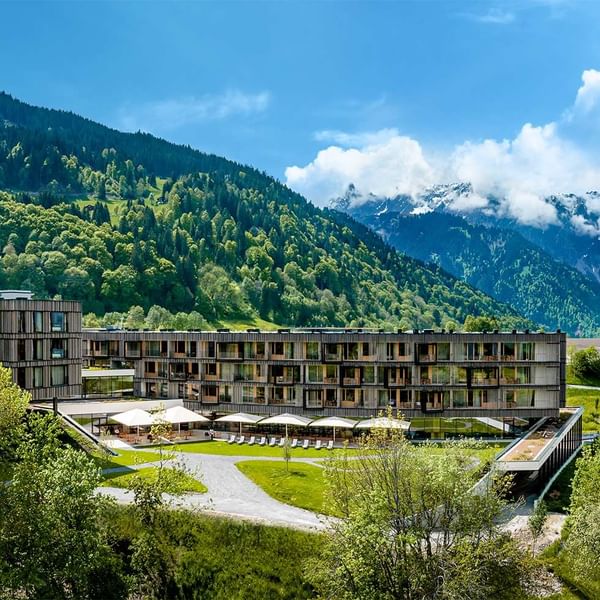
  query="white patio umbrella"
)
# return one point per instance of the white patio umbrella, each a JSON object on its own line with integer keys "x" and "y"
{"x": 382, "y": 423}
{"x": 286, "y": 419}
{"x": 136, "y": 417}
{"x": 334, "y": 422}
{"x": 179, "y": 415}
{"x": 240, "y": 418}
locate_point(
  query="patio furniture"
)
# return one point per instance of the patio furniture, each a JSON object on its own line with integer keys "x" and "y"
{"x": 263, "y": 441}
{"x": 330, "y": 445}
{"x": 282, "y": 442}
{"x": 241, "y": 439}
{"x": 231, "y": 438}
{"x": 273, "y": 441}
{"x": 294, "y": 443}
{"x": 305, "y": 444}
{"x": 318, "y": 445}
{"x": 252, "y": 440}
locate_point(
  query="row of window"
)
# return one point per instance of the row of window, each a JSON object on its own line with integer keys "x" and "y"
{"x": 432, "y": 352}
{"x": 59, "y": 375}
{"x": 54, "y": 321}
{"x": 58, "y": 349}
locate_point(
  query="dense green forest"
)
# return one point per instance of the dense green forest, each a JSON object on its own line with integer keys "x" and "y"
{"x": 115, "y": 220}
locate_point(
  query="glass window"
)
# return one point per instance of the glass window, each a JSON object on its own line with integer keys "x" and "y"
{"x": 315, "y": 373}
{"x": 21, "y": 349}
{"x": 57, "y": 321}
{"x": 59, "y": 375}
{"x": 38, "y": 377}
{"x": 38, "y": 350}
{"x": 312, "y": 350}
{"x": 58, "y": 349}
{"x": 38, "y": 321}
{"x": 443, "y": 351}
{"x": 368, "y": 375}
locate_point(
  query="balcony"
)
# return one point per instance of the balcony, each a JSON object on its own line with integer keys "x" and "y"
{"x": 283, "y": 379}
{"x": 330, "y": 380}
{"x": 400, "y": 382}
{"x": 177, "y": 375}
{"x": 351, "y": 381}
{"x": 209, "y": 399}
{"x": 482, "y": 382}
{"x": 329, "y": 357}
{"x": 230, "y": 356}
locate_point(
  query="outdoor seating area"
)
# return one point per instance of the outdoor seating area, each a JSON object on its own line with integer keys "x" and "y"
{"x": 136, "y": 427}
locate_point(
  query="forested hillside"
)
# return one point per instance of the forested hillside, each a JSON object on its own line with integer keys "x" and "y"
{"x": 498, "y": 261}
{"x": 116, "y": 220}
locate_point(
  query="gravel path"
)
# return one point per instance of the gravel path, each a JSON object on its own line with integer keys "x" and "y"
{"x": 231, "y": 493}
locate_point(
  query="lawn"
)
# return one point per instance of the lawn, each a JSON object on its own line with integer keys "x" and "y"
{"x": 125, "y": 458}
{"x": 573, "y": 379}
{"x": 303, "y": 485}
{"x": 558, "y": 497}
{"x": 122, "y": 479}
{"x": 590, "y": 400}
{"x": 225, "y": 449}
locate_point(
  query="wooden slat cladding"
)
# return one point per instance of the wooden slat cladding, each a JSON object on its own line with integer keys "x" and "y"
{"x": 40, "y": 341}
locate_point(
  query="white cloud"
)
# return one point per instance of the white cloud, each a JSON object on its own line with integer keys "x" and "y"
{"x": 395, "y": 166}
{"x": 494, "y": 16}
{"x": 175, "y": 112}
{"x": 521, "y": 172}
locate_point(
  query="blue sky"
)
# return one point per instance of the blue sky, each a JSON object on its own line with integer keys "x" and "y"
{"x": 274, "y": 84}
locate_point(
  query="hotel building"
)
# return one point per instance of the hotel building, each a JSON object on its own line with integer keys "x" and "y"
{"x": 351, "y": 372}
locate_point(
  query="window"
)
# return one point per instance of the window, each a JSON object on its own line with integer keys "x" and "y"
{"x": 390, "y": 351}
{"x": 21, "y": 349}
{"x": 57, "y": 321}
{"x": 38, "y": 377}
{"x": 472, "y": 351}
{"x": 312, "y": 350}
{"x": 58, "y": 349}
{"x": 526, "y": 351}
{"x": 403, "y": 349}
{"x": 277, "y": 348}
{"x": 368, "y": 375}
{"x": 38, "y": 321}
{"x": 38, "y": 350}
{"x": 443, "y": 351}
{"x": 315, "y": 374}
{"x": 21, "y": 377}
{"x": 21, "y": 323}
{"x": 59, "y": 375}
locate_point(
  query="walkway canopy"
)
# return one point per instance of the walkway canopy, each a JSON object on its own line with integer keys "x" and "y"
{"x": 286, "y": 419}
{"x": 334, "y": 422}
{"x": 240, "y": 418}
{"x": 383, "y": 423}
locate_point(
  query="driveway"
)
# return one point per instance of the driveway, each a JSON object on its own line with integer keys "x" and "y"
{"x": 230, "y": 493}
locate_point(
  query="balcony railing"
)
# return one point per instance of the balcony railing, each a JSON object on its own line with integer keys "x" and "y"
{"x": 351, "y": 381}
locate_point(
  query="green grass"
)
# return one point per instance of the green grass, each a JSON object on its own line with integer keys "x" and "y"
{"x": 558, "y": 497}
{"x": 224, "y": 449}
{"x": 242, "y": 324}
{"x": 303, "y": 485}
{"x": 587, "y": 399}
{"x": 125, "y": 458}
{"x": 573, "y": 379}
{"x": 123, "y": 479}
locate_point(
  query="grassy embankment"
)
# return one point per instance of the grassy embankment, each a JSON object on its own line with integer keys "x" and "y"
{"x": 122, "y": 479}
{"x": 590, "y": 400}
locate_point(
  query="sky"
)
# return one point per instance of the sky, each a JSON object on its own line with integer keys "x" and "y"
{"x": 393, "y": 96}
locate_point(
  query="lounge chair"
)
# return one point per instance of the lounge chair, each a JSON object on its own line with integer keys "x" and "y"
{"x": 231, "y": 439}
{"x": 318, "y": 445}
{"x": 263, "y": 441}
{"x": 282, "y": 442}
{"x": 273, "y": 441}
{"x": 241, "y": 439}
{"x": 305, "y": 444}
{"x": 252, "y": 440}
{"x": 330, "y": 445}
{"x": 294, "y": 443}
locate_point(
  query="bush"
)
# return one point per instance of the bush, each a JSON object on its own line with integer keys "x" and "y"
{"x": 586, "y": 363}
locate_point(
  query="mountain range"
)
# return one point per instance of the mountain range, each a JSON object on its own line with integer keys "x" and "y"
{"x": 549, "y": 271}
{"x": 118, "y": 219}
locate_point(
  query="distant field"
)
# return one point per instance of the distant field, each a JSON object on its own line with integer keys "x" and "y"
{"x": 590, "y": 400}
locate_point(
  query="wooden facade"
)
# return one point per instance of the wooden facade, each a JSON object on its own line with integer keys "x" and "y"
{"x": 351, "y": 372}
{"x": 40, "y": 341}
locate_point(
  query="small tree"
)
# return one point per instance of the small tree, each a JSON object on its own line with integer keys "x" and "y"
{"x": 537, "y": 521}
{"x": 585, "y": 363}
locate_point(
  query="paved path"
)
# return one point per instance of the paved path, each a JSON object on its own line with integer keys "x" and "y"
{"x": 582, "y": 387}
{"x": 231, "y": 493}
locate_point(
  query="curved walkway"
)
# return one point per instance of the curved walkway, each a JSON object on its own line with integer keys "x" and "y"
{"x": 230, "y": 493}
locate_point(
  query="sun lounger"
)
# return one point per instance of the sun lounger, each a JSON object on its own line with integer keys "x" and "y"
{"x": 294, "y": 443}
{"x": 263, "y": 441}
{"x": 252, "y": 440}
{"x": 231, "y": 439}
{"x": 273, "y": 441}
{"x": 282, "y": 442}
{"x": 241, "y": 439}
{"x": 305, "y": 444}
{"x": 318, "y": 445}
{"x": 330, "y": 445}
